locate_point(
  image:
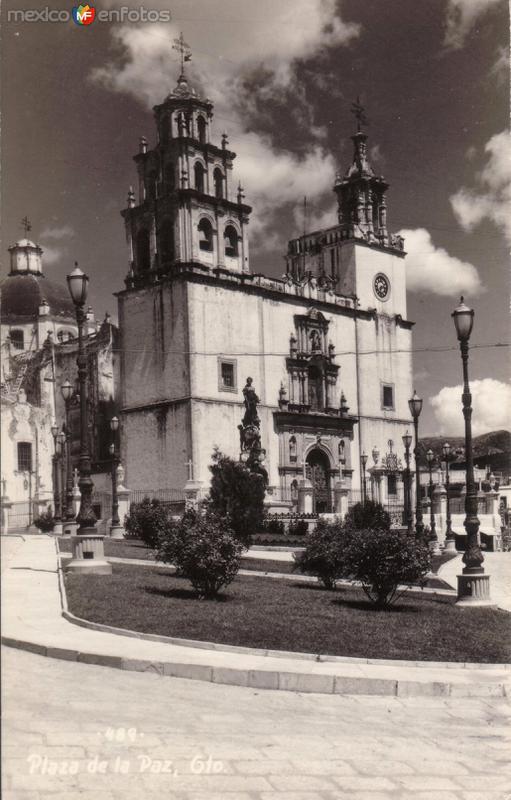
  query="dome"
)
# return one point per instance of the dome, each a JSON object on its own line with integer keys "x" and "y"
{"x": 22, "y": 294}
{"x": 25, "y": 243}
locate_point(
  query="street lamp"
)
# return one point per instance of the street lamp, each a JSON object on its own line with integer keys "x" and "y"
{"x": 415, "y": 406}
{"x": 450, "y": 538}
{"x": 68, "y": 515}
{"x": 88, "y": 544}
{"x": 57, "y": 517}
{"x": 407, "y": 442}
{"x": 435, "y": 549}
{"x": 116, "y": 530}
{"x": 62, "y": 450}
{"x": 473, "y": 584}
{"x": 363, "y": 459}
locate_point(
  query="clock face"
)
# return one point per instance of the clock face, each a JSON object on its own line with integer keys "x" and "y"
{"x": 381, "y": 286}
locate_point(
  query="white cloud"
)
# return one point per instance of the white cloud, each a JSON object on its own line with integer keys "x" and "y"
{"x": 492, "y": 197}
{"x": 491, "y": 404}
{"x": 51, "y": 255}
{"x": 235, "y": 47}
{"x": 461, "y": 18}
{"x": 65, "y": 232}
{"x": 432, "y": 269}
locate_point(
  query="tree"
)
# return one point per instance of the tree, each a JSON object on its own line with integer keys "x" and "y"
{"x": 148, "y": 520}
{"x": 368, "y": 515}
{"x": 203, "y": 549}
{"x": 384, "y": 559}
{"x": 323, "y": 556}
{"x": 237, "y": 495}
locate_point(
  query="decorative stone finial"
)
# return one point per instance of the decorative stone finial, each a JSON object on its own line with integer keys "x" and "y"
{"x": 142, "y": 144}
{"x": 131, "y": 197}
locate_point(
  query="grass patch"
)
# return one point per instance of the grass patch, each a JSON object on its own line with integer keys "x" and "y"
{"x": 304, "y": 617}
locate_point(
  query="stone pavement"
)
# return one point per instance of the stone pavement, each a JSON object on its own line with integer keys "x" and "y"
{"x": 498, "y": 567}
{"x": 74, "y": 730}
{"x": 32, "y": 620}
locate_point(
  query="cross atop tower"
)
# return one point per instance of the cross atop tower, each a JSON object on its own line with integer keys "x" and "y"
{"x": 26, "y": 225}
{"x": 358, "y": 110}
{"x": 184, "y": 50}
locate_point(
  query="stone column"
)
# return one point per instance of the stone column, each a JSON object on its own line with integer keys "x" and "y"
{"x": 341, "y": 493}
{"x": 193, "y": 493}
{"x": 123, "y": 498}
{"x": 5, "y": 506}
{"x": 305, "y": 497}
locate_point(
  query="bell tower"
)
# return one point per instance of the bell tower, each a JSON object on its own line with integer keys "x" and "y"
{"x": 187, "y": 211}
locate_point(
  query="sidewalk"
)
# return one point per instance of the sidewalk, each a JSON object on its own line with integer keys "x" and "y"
{"x": 32, "y": 620}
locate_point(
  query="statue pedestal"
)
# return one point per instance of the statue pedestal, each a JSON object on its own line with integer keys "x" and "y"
{"x": 341, "y": 493}
{"x": 305, "y": 497}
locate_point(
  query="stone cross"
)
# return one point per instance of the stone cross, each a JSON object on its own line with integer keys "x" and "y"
{"x": 189, "y": 464}
{"x": 26, "y": 225}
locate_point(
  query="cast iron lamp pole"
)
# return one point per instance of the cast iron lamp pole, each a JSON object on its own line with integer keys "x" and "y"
{"x": 62, "y": 442}
{"x": 67, "y": 392}
{"x": 88, "y": 554}
{"x": 56, "y": 495}
{"x": 450, "y": 538}
{"x": 363, "y": 459}
{"x": 407, "y": 442}
{"x": 114, "y": 427}
{"x": 433, "y": 538}
{"x": 415, "y": 406}
{"x": 473, "y": 584}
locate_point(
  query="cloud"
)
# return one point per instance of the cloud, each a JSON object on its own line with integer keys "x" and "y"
{"x": 432, "y": 269}
{"x": 51, "y": 255}
{"x": 500, "y": 67}
{"x": 65, "y": 232}
{"x": 492, "y": 197}
{"x": 491, "y": 403}
{"x": 461, "y": 18}
{"x": 244, "y": 61}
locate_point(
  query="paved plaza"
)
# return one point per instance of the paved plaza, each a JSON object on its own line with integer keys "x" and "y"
{"x": 133, "y": 735}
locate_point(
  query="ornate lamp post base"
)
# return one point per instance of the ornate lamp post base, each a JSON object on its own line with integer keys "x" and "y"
{"x": 474, "y": 590}
{"x": 69, "y": 527}
{"x": 57, "y": 528}
{"x": 117, "y": 532}
{"x": 89, "y": 555}
{"x": 450, "y": 546}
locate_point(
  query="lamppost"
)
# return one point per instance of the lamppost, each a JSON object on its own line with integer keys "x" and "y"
{"x": 88, "y": 544}
{"x": 450, "y": 538}
{"x": 415, "y": 406}
{"x": 57, "y": 526}
{"x": 473, "y": 584}
{"x": 62, "y": 448}
{"x": 68, "y": 515}
{"x": 116, "y": 529}
{"x": 363, "y": 459}
{"x": 407, "y": 442}
{"x": 433, "y": 538}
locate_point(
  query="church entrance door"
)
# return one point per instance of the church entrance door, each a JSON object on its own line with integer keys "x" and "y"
{"x": 318, "y": 473}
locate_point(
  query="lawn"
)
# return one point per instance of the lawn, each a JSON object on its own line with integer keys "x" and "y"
{"x": 290, "y": 615}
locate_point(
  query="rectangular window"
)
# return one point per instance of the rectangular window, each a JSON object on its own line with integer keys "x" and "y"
{"x": 24, "y": 457}
{"x": 387, "y": 399}
{"x": 227, "y": 375}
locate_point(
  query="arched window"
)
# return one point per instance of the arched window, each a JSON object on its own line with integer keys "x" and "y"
{"x": 165, "y": 130}
{"x": 169, "y": 177}
{"x": 292, "y": 448}
{"x": 315, "y": 389}
{"x": 17, "y": 339}
{"x": 143, "y": 251}
{"x": 167, "y": 241}
{"x": 231, "y": 241}
{"x": 201, "y": 128}
{"x": 219, "y": 183}
{"x": 198, "y": 171}
{"x": 182, "y": 124}
{"x": 205, "y": 235}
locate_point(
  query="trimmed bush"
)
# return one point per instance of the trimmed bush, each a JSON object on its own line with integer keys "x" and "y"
{"x": 274, "y": 526}
{"x": 148, "y": 520}
{"x": 45, "y": 522}
{"x": 366, "y": 516}
{"x": 382, "y": 560}
{"x": 298, "y": 528}
{"x": 203, "y": 549}
{"x": 237, "y": 495}
{"x": 323, "y": 555}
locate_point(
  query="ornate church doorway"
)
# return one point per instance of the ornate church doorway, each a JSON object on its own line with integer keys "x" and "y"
{"x": 317, "y": 470}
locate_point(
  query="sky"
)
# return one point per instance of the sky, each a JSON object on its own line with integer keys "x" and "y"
{"x": 433, "y": 77}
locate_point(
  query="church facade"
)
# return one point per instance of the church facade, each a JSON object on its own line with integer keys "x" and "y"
{"x": 328, "y": 346}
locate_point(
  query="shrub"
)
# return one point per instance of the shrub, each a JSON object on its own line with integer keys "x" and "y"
{"x": 368, "y": 515}
{"x": 323, "y": 554}
{"x": 45, "y": 522}
{"x": 203, "y": 549}
{"x": 382, "y": 560}
{"x": 237, "y": 495}
{"x": 275, "y": 526}
{"x": 298, "y": 528}
{"x": 148, "y": 520}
